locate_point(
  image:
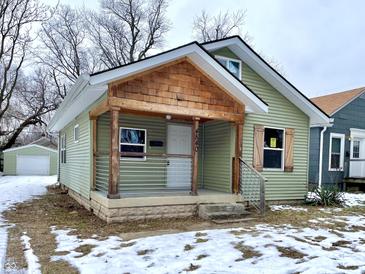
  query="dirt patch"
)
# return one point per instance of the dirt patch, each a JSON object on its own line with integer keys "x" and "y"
{"x": 247, "y": 251}
{"x": 290, "y": 253}
{"x": 201, "y": 240}
{"x": 319, "y": 238}
{"x": 192, "y": 267}
{"x": 200, "y": 234}
{"x": 348, "y": 267}
{"x": 188, "y": 247}
{"x": 84, "y": 250}
{"x": 144, "y": 252}
{"x": 15, "y": 253}
{"x": 342, "y": 243}
{"x": 201, "y": 256}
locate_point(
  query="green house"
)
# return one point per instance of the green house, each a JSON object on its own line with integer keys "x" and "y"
{"x": 201, "y": 123}
{"x": 38, "y": 158}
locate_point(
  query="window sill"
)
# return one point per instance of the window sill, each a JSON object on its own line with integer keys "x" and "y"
{"x": 272, "y": 169}
{"x": 133, "y": 159}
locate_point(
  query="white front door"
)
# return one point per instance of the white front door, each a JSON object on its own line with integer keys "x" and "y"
{"x": 357, "y": 157}
{"x": 179, "y": 168}
{"x": 32, "y": 165}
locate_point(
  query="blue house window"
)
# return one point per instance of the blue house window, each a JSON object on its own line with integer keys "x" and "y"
{"x": 133, "y": 140}
{"x": 337, "y": 150}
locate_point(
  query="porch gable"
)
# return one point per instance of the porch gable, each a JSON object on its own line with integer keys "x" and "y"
{"x": 181, "y": 89}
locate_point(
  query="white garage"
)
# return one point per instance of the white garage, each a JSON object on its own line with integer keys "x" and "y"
{"x": 31, "y": 159}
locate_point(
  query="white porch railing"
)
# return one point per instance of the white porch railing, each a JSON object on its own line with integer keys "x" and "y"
{"x": 252, "y": 186}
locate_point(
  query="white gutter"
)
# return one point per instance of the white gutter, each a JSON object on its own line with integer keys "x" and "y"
{"x": 321, "y": 157}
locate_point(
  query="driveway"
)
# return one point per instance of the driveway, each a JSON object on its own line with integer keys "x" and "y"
{"x": 17, "y": 189}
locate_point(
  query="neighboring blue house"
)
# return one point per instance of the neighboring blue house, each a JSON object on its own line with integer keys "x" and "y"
{"x": 337, "y": 153}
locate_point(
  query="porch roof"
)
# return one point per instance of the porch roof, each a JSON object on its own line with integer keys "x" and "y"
{"x": 89, "y": 88}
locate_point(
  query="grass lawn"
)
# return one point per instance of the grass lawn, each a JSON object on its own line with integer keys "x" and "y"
{"x": 64, "y": 237}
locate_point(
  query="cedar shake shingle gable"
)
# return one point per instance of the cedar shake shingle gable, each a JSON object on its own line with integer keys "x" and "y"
{"x": 333, "y": 102}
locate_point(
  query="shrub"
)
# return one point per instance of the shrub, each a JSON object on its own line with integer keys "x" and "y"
{"x": 325, "y": 196}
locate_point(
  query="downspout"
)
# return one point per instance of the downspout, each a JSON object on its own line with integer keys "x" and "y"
{"x": 321, "y": 157}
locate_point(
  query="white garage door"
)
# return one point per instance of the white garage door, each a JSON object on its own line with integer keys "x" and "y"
{"x": 32, "y": 165}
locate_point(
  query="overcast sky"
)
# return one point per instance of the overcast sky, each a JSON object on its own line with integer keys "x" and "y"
{"x": 319, "y": 43}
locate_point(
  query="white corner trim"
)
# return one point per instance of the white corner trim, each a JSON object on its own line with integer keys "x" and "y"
{"x": 342, "y": 151}
{"x": 30, "y": 145}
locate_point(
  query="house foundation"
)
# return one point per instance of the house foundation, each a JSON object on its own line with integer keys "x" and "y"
{"x": 145, "y": 208}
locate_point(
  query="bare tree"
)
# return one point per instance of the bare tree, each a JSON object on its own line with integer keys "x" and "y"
{"x": 65, "y": 48}
{"x": 16, "y": 21}
{"x": 30, "y": 104}
{"x": 209, "y": 28}
{"x": 126, "y": 30}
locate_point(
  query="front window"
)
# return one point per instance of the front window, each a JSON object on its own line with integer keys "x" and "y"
{"x": 233, "y": 65}
{"x": 336, "y": 157}
{"x": 63, "y": 149}
{"x": 273, "y": 148}
{"x": 132, "y": 141}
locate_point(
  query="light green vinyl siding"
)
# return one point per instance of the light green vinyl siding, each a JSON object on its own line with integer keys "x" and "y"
{"x": 150, "y": 175}
{"x": 75, "y": 173}
{"x": 217, "y": 161}
{"x": 134, "y": 174}
{"x": 10, "y": 158}
{"x": 282, "y": 114}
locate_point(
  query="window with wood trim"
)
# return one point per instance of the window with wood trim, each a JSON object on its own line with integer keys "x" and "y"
{"x": 76, "y": 133}
{"x": 336, "y": 151}
{"x": 274, "y": 140}
{"x": 233, "y": 65}
{"x": 133, "y": 141}
{"x": 63, "y": 149}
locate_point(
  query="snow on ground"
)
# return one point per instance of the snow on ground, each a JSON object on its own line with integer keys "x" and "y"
{"x": 260, "y": 249}
{"x": 32, "y": 260}
{"x": 16, "y": 189}
{"x": 349, "y": 200}
{"x": 287, "y": 207}
{"x": 352, "y": 199}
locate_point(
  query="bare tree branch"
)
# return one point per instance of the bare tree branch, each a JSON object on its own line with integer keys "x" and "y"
{"x": 126, "y": 30}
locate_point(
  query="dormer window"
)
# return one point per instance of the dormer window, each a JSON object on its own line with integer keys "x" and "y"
{"x": 233, "y": 65}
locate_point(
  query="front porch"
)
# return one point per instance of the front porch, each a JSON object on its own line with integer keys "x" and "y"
{"x": 172, "y": 133}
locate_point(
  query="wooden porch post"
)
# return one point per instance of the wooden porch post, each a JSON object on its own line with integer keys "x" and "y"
{"x": 114, "y": 158}
{"x": 194, "y": 153}
{"x": 238, "y": 154}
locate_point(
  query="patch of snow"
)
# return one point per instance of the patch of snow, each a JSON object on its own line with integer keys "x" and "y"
{"x": 32, "y": 260}
{"x": 287, "y": 207}
{"x": 271, "y": 249}
{"x": 17, "y": 189}
{"x": 354, "y": 199}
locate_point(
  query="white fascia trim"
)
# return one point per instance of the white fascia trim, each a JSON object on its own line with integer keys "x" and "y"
{"x": 201, "y": 59}
{"x": 75, "y": 90}
{"x": 266, "y": 72}
{"x": 357, "y": 133}
{"x": 30, "y": 145}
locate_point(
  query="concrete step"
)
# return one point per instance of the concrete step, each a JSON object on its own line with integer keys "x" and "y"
{"x": 222, "y": 211}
